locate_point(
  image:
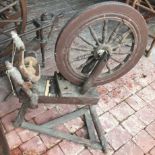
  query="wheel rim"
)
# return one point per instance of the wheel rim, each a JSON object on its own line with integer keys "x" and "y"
{"x": 114, "y": 12}
{"x": 110, "y": 44}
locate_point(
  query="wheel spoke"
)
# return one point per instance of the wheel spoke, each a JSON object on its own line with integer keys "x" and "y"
{"x": 81, "y": 57}
{"x": 121, "y": 40}
{"x": 81, "y": 49}
{"x": 81, "y": 66}
{"x": 117, "y": 60}
{"x": 127, "y": 45}
{"x": 2, "y": 5}
{"x": 121, "y": 53}
{"x": 125, "y": 35}
{"x": 114, "y": 32}
{"x": 93, "y": 34}
{"x": 107, "y": 66}
{"x": 87, "y": 42}
{"x": 10, "y": 21}
{"x": 7, "y": 34}
{"x": 3, "y": 16}
{"x": 8, "y": 6}
{"x": 104, "y": 30}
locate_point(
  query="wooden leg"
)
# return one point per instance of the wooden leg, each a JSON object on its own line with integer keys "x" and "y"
{"x": 4, "y": 148}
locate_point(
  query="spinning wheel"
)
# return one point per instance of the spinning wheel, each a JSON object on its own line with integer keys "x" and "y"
{"x": 147, "y": 5}
{"x": 110, "y": 27}
{"x": 147, "y": 9}
{"x": 12, "y": 17}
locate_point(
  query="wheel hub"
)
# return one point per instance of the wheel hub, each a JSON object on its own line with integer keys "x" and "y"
{"x": 102, "y": 49}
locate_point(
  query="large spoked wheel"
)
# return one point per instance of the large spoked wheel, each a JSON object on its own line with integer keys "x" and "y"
{"x": 13, "y": 15}
{"x": 111, "y": 27}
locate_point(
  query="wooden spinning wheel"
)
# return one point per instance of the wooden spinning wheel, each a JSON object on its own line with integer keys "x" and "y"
{"x": 105, "y": 27}
{"x": 145, "y": 6}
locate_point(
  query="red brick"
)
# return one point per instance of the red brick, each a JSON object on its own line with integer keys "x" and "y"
{"x": 65, "y": 109}
{"x": 102, "y": 90}
{"x": 108, "y": 122}
{"x": 144, "y": 66}
{"x": 25, "y": 135}
{"x": 133, "y": 125}
{"x": 49, "y": 141}
{"x": 70, "y": 148}
{"x": 106, "y": 103}
{"x": 132, "y": 85}
{"x": 131, "y": 75}
{"x": 85, "y": 152}
{"x": 8, "y": 121}
{"x": 4, "y": 93}
{"x": 34, "y": 145}
{"x": 55, "y": 151}
{"x": 5, "y": 85}
{"x": 135, "y": 102}
{"x": 31, "y": 113}
{"x": 120, "y": 94}
{"x": 145, "y": 79}
{"x": 152, "y": 152}
{"x": 147, "y": 94}
{"x": 122, "y": 111}
{"x": 109, "y": 151}
{"x": 143, "y": 70}
{"x": 146, "y": 114}
{"x": 30, "y": 152}
{"x": 47, "y": 116}
{"x": 62, "y": 128}
{"x": 50, "y": 106}
{"x": 113, "y": 85}
{"x": 7, "y": 107}
{"x": 96, "y": 152}
{"x": 151, "y": 129}
{"x": 117, "y": 137}
{"x": 13, "y": 139}
{"x": 152, "y": 103}
{"x": 144, "y": 141}
{"x": 74, "y": 125}
{"x": 153, "y": 85}
{"x": 99, "y": 110}
{"x": 16, "y": 152}
{"x": 4, "y": 130}
{"x": 83, "y": 132}
{"x": 130, "y": 149}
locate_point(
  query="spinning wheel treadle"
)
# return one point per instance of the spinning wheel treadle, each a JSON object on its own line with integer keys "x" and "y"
{"x": 103, "y": 28}
{"x": 54, "y": 90}
{"x": 60, "y": 91}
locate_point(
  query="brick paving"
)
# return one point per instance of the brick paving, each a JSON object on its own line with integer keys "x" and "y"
{"x": 126, "y": 108}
